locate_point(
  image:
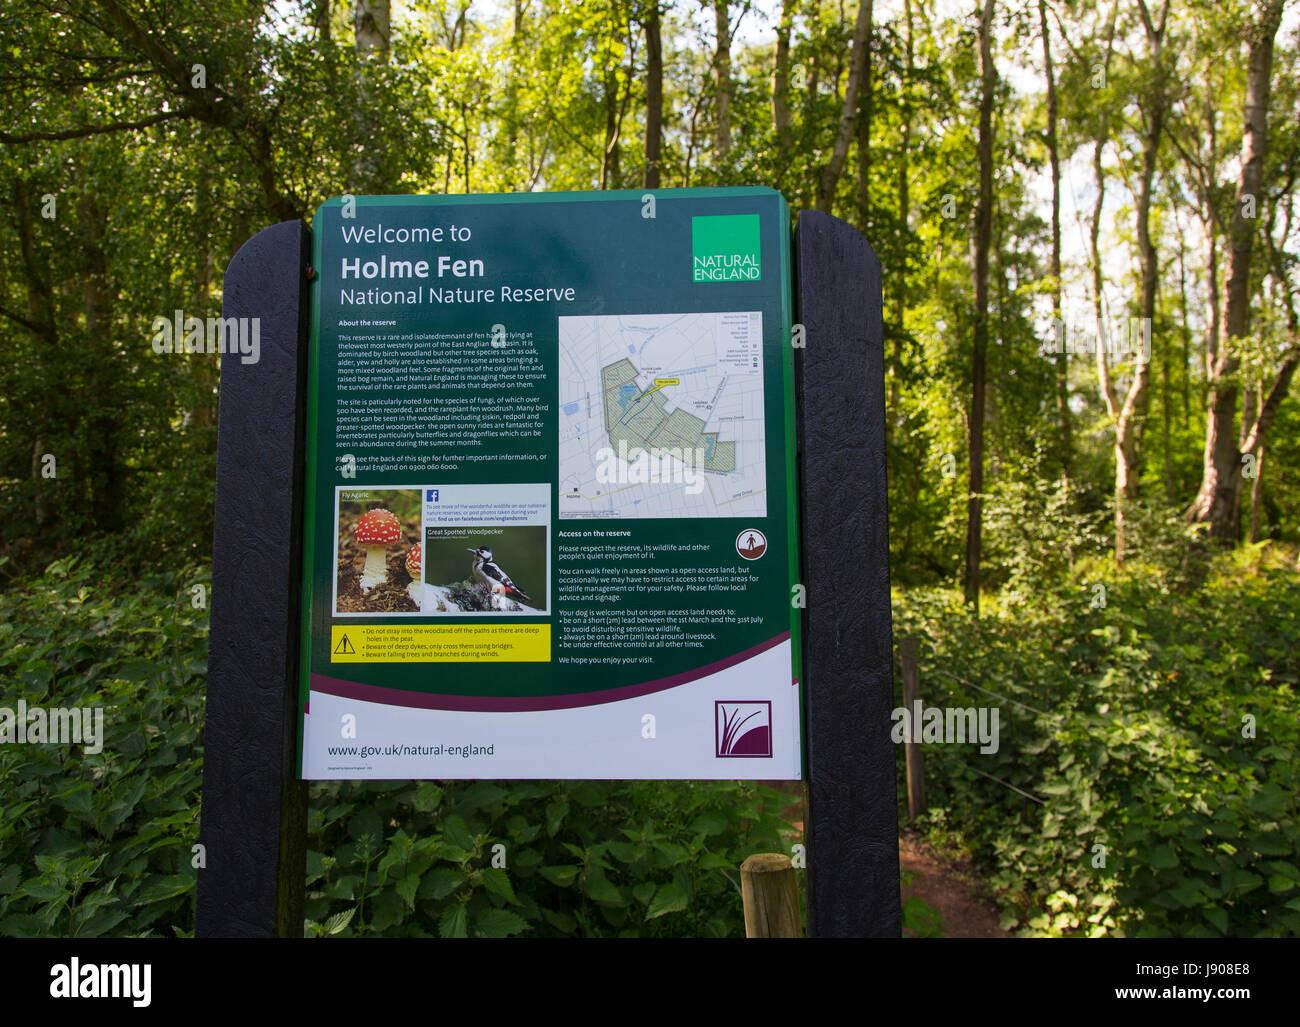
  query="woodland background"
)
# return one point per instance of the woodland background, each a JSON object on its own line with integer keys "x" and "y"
{"x": 1108, "y": 546}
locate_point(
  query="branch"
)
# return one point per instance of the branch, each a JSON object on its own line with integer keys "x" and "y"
{"x": 91, "y": 130}
{"x": 31, "y": 326}
{"x": 1269, "y": 407}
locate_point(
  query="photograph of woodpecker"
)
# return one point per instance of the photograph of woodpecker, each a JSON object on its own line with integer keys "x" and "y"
{"x": 378, "y": 551}
{"x": 485, "y": 570}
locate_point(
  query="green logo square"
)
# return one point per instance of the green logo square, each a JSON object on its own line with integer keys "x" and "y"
{"x": 724, "y": 248}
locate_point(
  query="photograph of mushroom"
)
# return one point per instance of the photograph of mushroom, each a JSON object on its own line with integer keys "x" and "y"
{"x": 378, "y": 551}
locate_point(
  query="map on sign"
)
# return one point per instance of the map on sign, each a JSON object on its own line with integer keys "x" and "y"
{"x": 661, "y": 415}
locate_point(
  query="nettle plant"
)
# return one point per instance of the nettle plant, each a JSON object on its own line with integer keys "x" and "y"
{"x": 494, "y": 859}
{"x": 1164, "y": 757}
{"x": 100, "y": 844}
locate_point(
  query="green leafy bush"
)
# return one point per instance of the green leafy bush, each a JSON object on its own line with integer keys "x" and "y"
{"x": 490, "y": 859}
{"x": 1153, "y": 742}
{"x": 100, "y": 844}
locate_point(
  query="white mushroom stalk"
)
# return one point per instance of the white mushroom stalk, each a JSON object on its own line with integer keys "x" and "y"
{"x": 414, "y": 589}
{"x": 375, "y": 532}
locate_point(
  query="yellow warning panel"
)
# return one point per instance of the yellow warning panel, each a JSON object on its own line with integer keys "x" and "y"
{"x": 436, "y": 643}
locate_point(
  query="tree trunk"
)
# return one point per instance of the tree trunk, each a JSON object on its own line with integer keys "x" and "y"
{"x": 904, "y": 218}
{"x": 830, "y": 176}
{"x": 1054, "y": 156}
{"x": 982, "y": 228}
{"x": 609, "y": 169}
{"x": 1214, "y": 503}
{"x": 654, "y": 96}
{"x": 781, "y": 120}
{"x": 371, "y": 20}
{"x": 105, "y": 482}
{"x": 722, "y": 71}
{"x": 864, "y": 141}
{"x": 371, "y": 24}
{"x": 1256, "y": 496}
{"x": 1127, "y": 418}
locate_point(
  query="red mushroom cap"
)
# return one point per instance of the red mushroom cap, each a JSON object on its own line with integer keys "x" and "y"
{"x": 378, "y": 528}
{"x": 413, "y": 561}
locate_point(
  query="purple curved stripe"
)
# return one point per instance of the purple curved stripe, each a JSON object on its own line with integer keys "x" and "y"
{"x": 525, "y": 703}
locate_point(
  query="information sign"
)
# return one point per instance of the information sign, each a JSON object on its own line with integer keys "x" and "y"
{"x": 550, "y": 516}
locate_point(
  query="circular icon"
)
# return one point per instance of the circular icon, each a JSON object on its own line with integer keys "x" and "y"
{"x": 751, "y": 543}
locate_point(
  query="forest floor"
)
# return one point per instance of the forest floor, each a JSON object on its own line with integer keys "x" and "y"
{"x": 951, "y": 888}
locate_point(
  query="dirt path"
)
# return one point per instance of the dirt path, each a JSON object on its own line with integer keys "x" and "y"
{"x": 950, "y": 888}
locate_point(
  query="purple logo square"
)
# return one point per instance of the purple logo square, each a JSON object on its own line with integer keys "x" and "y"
{"x": 742, "y": 729}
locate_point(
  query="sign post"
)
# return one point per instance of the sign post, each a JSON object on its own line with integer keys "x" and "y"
{"x": 551, "y": 510}
{"x": 551, "y": 520}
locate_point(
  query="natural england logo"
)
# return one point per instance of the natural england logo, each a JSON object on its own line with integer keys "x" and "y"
{"x": 742, "y": 728}
{"x": 724, "y": 248}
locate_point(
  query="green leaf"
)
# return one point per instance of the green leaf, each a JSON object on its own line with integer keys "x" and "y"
{"x": 497, "y": 882}
{"x": 455, "y": 831}
{"x": 440, "y": 882}
{"x": 339, "y": 921}
{"x": 1163, "y": 857}
{"x": 1218, "y": 917}
{"x": 479, "y": 795}
{"x": 427, "y": 797}
{"x": 453, "y": 922}
{"x": 709, "y": 823}
{"x": 599, "y": 889}
{"x": 671, "y": 898}
{"x": 563, "y": 876}
{"x": 498, "y": 923}
{"x": 1279, "y": 885}
{"x": 407, "y": 887}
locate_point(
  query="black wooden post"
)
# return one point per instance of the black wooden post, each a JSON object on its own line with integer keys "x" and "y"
{"x": 254, "y": 812}
{"x": 853, "y": 881}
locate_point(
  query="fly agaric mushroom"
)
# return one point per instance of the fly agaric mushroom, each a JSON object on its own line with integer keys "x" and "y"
{"x": 375, "y": 532}
{"x": 413, "y": 569}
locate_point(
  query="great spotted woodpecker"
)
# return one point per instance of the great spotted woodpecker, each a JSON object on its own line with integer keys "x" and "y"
{"x": 489, "y": 572}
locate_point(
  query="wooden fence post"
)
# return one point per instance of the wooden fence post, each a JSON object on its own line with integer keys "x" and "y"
{"x": 852, "y": 781}
{"x": 254, "y": 813}
{"x": 907, "y": 654}
{"x": 771, "y": 896}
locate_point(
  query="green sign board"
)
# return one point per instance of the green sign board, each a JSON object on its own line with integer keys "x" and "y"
{"x": 550, "y": 525}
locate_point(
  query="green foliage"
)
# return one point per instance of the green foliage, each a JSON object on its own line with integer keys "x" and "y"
{"x": 99, "y": 844}
{"x": 544, "y": 859}
{"x": 1160, "y": 734}
{"x": 920, "y": 919}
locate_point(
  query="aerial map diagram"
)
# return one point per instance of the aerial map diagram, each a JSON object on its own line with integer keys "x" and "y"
{"x": 661, "y": 415}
